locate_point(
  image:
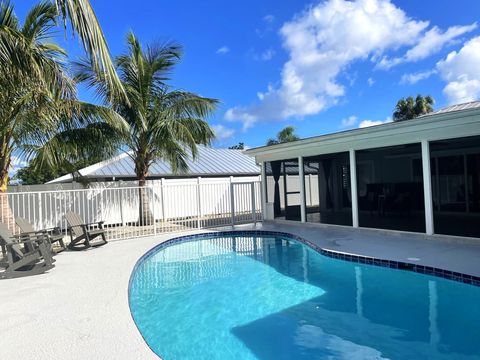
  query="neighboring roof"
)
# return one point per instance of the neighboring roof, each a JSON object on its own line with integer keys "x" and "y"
{"x": 452, "y": 108}
{"x": 454, "y": 121}
{"x": 209, "y": 162}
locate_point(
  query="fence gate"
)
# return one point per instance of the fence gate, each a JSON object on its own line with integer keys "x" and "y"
{"x": 245, "y": 202}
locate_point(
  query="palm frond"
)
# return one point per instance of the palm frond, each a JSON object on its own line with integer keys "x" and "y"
{"x": 8, "y": 19}
{"x": 187, "y": 104}
{"x": 85, "y": 23}
{"x": 39, "y": 21}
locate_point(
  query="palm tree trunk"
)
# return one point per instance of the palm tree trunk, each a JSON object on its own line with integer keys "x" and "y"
{"x": 6, "y": 214}
{"x": 145, "y": 214}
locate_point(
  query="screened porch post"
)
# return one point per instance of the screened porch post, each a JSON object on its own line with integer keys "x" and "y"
{"x": 303, "y": 216}
{"x": 427, "y": 187}
{"x": 353, "y": 188}
{"x": 263, "y": 187}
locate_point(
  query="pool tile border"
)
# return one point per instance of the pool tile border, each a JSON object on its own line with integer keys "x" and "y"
{"x": 400, "y": 265}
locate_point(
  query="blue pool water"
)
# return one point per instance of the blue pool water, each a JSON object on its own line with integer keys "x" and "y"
{"x": 267, "y": 297}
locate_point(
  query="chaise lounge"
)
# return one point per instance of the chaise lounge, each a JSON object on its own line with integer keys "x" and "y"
{"x": 31, "y": 259}
{"x": 80, "y": 233}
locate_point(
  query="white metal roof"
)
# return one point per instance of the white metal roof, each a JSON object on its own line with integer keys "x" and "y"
{"x": 460, "y": 120}
{"x": 209, "y": 162}
{"x": 457, "y": 107}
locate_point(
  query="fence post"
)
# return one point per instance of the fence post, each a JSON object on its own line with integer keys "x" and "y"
{"x": 232, "y": 201}
{"x": 199, "y": 207}
{"x": 40, "y": 224}
{"x": 102, "y": 212}
{"x": 254, "y": 212}
{"x": 162, "y": 193}
{"x": 65, "y": 226}
{"x": 153, "y": 209}
{"x": 122, "y": 215}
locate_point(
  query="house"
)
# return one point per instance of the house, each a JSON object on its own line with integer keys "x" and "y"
{"x": 210, "y": 163}
{"x": 420, "y": 175}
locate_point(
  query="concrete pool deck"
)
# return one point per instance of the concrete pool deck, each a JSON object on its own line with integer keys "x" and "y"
{"x": 79, "y": 309}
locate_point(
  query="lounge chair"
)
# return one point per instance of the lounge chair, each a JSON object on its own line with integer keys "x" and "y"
{"x": 54, "y": 235}
{"x": 81, "y": 235}
{"x": 33, "y": 258}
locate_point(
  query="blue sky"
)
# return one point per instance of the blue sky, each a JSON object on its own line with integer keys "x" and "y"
{"x": 320, "y": 66}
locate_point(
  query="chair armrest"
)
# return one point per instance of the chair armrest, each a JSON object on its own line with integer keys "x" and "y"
{"x": 52, "y": 229}
{"x": 29, "y": 235}
{"x": 24, "y": 241}
{"x": 85, "y": 227}
{"x": 99, "y": 223}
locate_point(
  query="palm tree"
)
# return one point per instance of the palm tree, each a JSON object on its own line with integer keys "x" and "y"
{"x": 285, "y": 135}
{"x": 38, "y": 105}
{"x": 164, "y": 123}
{"x": 410, "y": 108}
{"x": 239, "y": 146}
{"x": 83, "y": 21}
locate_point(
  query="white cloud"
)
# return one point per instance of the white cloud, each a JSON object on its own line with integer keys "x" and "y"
{"x": 461, "y": 71}
{"x": 269, "y": 18}
{"x": 370, "y": 81}
{"x": 239, "y": 114}
{"x": 222, "y": 133}
{"x": 431, "y": 42}
{"x": 386, "y": 63}
{"x": 223, "y": 50}
{"x": 350, "y": 121}
{"x": 267, "y": 54}
{"x": 434, "y": 40}
{"x": 267, "y": 25}
{"x": 321, "y": 42}
{"x": 368, "y": 123}
{"x": 416, "y": 77}
{"x": 463, "y": 90}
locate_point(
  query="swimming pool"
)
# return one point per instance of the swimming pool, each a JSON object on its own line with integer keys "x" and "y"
{"x": 267, "y": 296}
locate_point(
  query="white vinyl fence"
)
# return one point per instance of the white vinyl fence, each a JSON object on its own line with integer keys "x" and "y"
{"x": 171, "y": 205}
